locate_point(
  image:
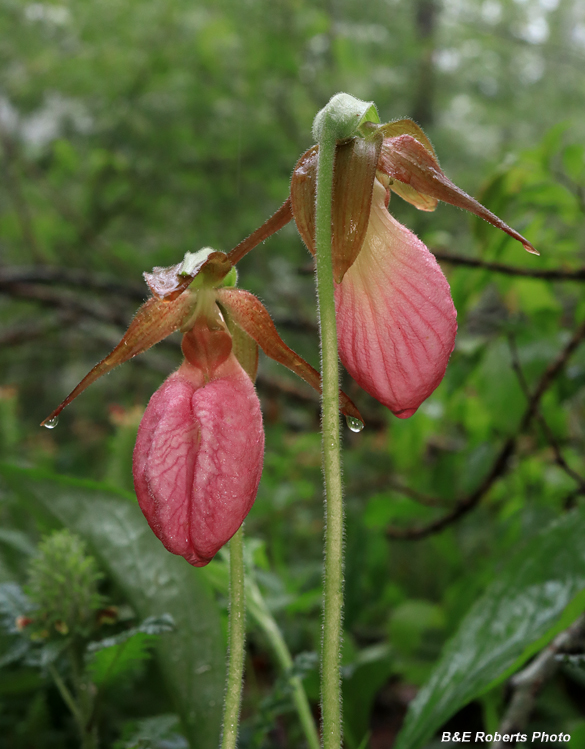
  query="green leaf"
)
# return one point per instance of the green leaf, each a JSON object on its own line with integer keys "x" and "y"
{"x": 16, "y": 652}
{"x": 112, "y": 662}
{"x": 535, "y": 596}
{"x": 13, "y": 603}
{"x": 574, "y": 661}
{"x": 574, "y": 161}
{"x": 17, "y": 540}
{"x": 47, "y": 654}
{"x": 159, "y": 732}
{"x": 154, "y": 581}
{"x": 411, "y": 621}
{"x": 154, "y": 625}
{"x": 125, "y": 650}
{"x": 362, "y": 680}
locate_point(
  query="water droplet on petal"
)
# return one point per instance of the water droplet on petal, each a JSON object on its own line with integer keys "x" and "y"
{"x": 52, "y": 423}
{"x": 354, "y": 424}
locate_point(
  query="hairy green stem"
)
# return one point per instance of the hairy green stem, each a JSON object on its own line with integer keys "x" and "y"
{"x": 333, "y": 597}
{"x": 68, "y": 698}
{"x": 237, "y": 638}
{"x": 260, "y": 611}
{"x": 82, "y": 704}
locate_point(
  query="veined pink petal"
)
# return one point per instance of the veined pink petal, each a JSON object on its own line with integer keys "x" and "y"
{"x": 396, "y": 322}
{"x": 198, "y": 459}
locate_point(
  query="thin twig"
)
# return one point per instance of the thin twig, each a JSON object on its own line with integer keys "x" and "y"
{"x": 422, "y": 499}
{"x": 61, "y": 299}
{"x": 527, "y": 683}
{"x": 500, "y": 466}
{"x": 32, "y": 330}
{"x": 81, "y": 279}
{"x": 552, "y": 274}
{"x": 27, "y": 282}
{"x": 577, "y": 190}
{"x": 548, "y": 433}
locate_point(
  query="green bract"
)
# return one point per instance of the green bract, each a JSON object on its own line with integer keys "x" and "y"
{"x": 346, "y": 115}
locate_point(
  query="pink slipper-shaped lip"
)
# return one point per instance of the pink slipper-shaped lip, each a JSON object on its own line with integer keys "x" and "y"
{"x": 198, "y": 459}
{"x": 396, "y": 322}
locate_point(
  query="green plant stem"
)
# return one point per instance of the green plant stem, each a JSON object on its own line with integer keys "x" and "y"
{"x": 333, "y": 595}
{"x": 237, "y": 637}
{"x": 68, "y": 698}
{"x": 84, "y": 702}
{"x": 260, "y": 611}
{"x": 80, "y": 707}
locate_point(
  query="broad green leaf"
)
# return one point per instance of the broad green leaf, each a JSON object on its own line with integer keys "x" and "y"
{"x": 535, "y": 296}
{"x": 13, "y": 603}
{"x": 17, "y": 540}
{"x": 538, "y": 593}
{"x": 126, "y": 649}
{"x": 154, "y": 625}
{"x": 109, "y": 664}
{"x": 159, "y": 732}
{"x": 574, "y": 161}
{"x": 362, "y": 679}
{"x": 155, "y": 582}
{"x": 411, "y": 621}
{"x": 16, "y": 652}
{"x": 577, "y": 735}
{"x": 43, "y": 657}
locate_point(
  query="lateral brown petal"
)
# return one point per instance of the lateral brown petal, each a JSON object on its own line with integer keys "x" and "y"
{"x": 155, "y": 320}
{"x": 405, "y": 159}
{"x": 355, "y": 170}
{"x": 407, "y": 192}
{"x": 353, "y": 184}
{"x": 250, "y": 314}
{"x": 407, "y": 127}
{"x": 412, "y": 196}
{"x": 303, "y": 187}
{"x": 244, "y": 347}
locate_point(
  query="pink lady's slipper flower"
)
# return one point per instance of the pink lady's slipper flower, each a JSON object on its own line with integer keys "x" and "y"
{"x": 396, "y": 322}
{"x": 200, "y": 445}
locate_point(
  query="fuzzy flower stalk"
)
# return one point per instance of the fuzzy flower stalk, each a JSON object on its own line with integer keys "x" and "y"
{"x": 384, "y": 304}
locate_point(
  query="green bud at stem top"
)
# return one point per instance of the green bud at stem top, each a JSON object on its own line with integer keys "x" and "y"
{"x": 344, "y": 114}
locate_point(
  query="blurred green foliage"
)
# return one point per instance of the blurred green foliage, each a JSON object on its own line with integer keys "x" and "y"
{"x": 63, "y": 585}
{"x": 133, "y": 132}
